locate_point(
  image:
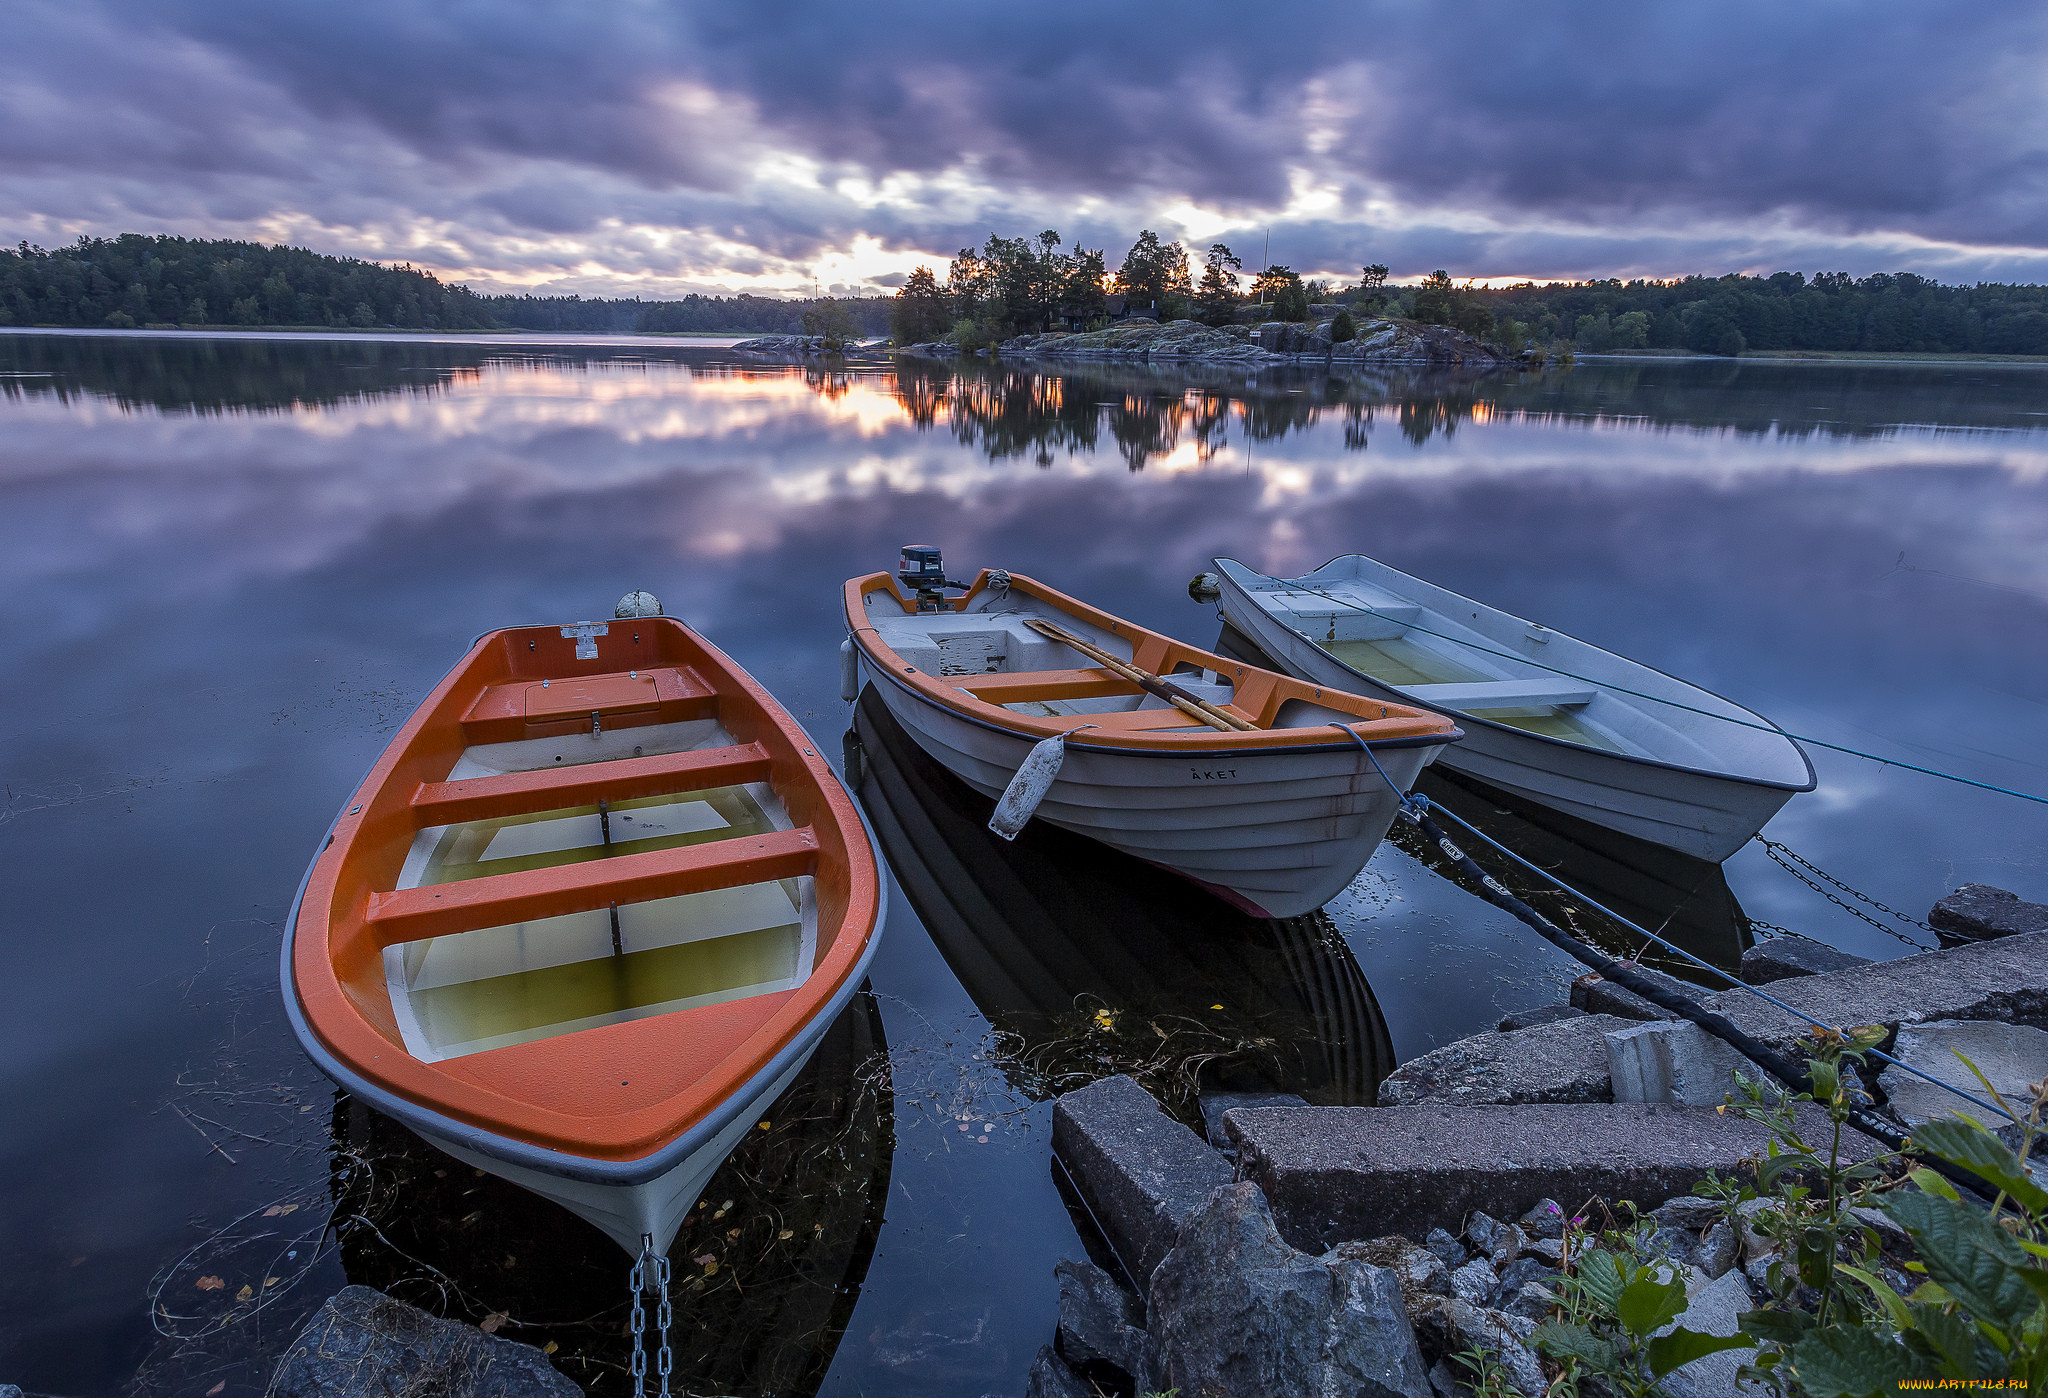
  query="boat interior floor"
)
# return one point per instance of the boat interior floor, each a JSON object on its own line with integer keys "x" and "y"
{"x": 521, "y": 980}
{"x": 1411, "y": 663}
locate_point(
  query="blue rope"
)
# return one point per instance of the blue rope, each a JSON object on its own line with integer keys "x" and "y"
{"x": 1638, "y": 694}
{"x": 1417, "y": 804}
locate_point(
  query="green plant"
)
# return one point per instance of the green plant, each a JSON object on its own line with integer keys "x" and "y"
{"x": 1615, "y": 1304}
{"x": 1982, "y": 1313}
{"x": 1343, "y": 328}
{"x": 1489, "y": 1379}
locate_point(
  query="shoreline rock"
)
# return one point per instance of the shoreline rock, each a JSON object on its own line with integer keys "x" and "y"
{"x": 362, "y": 1344}
{"x": 1278, "y": 342}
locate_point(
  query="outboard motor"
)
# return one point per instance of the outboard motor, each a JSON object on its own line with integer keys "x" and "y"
{"x": 922, "y": 571}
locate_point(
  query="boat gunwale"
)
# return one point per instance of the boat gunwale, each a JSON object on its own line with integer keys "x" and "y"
{"x": 1178, "y": 743}
{"x": 1812, "y": 777}
{"x": 616, "y": 1156}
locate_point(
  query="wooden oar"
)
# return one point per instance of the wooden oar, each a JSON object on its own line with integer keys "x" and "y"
{"x": 1172, "y": 693}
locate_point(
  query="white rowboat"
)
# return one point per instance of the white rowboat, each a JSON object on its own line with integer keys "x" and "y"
{"x": 1547, "y": 716}
{"x": 1277, "y": 816}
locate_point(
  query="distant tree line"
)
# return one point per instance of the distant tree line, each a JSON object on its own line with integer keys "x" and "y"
{"x": 137, "y": 280}
{"x": 1012, "y": 285}
{"x": 1891, "y": 311}
{"x": 742, "y": 314}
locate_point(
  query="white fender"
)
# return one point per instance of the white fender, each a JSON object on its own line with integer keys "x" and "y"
{"x": 1034, "y": 778}
{"x": 849, "y": 671}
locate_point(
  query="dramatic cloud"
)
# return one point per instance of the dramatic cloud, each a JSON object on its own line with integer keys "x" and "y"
{"x": 657, "y": 147}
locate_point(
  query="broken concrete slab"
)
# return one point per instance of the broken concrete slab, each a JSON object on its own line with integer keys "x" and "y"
{"x": 1541, "y": 1014}
{"x": 1237, "y": 1311}
{"x": 361, "y": 1341}
{"x": 1215, "y": 1104}
{"x": 1140, "y": 1172}
{"x": 1977, "y": 912}
{"x": 1782, "y": 958}
{"x": 1565, "y": 1061}
{"x": 2005, "y": 980}
{"x": 1334, "y": 1173}
{"x": 1674, "y": 1061}
{"x": 2012, "y": 1056}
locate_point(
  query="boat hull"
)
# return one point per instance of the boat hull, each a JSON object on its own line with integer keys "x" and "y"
{"x": 1703, "y": 814}
{"x": 628, "y": 1212}
{"x": 1280, "y": 833}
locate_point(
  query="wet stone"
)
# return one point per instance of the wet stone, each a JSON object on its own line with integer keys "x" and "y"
{"x": 363, "y": 1342}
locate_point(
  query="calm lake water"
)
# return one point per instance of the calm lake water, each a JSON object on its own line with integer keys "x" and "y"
{"x": 232, "y": 567}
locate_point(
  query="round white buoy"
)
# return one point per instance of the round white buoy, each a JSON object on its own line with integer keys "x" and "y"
{"x": 637, "y": 604}
{"x": 1205, "y": 587}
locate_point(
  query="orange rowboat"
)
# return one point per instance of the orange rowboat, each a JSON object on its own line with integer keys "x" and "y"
{"x": 586, "y": 918}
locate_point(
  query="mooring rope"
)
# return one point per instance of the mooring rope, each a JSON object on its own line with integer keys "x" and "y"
{"x": 1416, "y": 807}
{"x": 1655, "y": 699}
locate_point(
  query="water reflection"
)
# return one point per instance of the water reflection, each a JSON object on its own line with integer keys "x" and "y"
{"x": 1088, "y": 962}
{"x": 1678, "y": 897}
{"x": 1148, "y": 412}
{"x": 767, "y": 1269}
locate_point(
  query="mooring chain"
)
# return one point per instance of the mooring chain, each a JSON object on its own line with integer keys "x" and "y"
{"x": 1806, "y": 871}
{"x": 650, "y": 1273}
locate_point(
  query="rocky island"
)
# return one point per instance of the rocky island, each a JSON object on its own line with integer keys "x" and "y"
{"x": 1385, "y": 341}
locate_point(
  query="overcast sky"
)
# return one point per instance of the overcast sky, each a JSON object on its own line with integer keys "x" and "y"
{"x": 652, "y": 148}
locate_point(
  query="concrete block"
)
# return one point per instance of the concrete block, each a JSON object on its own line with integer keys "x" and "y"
{"x": 1978, "y": 912}
{"x": 1140, "y": 1172}
{"x": 1782, "y": 958}
{"x": 1565, "y": 1061}
{"x": 1215, "y": 1104}
{"x": 2012, "y": 1056}
{"x": 1337, "y": 1173}
{"x": 1673, "y": 1061}
{"x": 2005, "y": 980}
{"x": 1541, "y": 1014}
